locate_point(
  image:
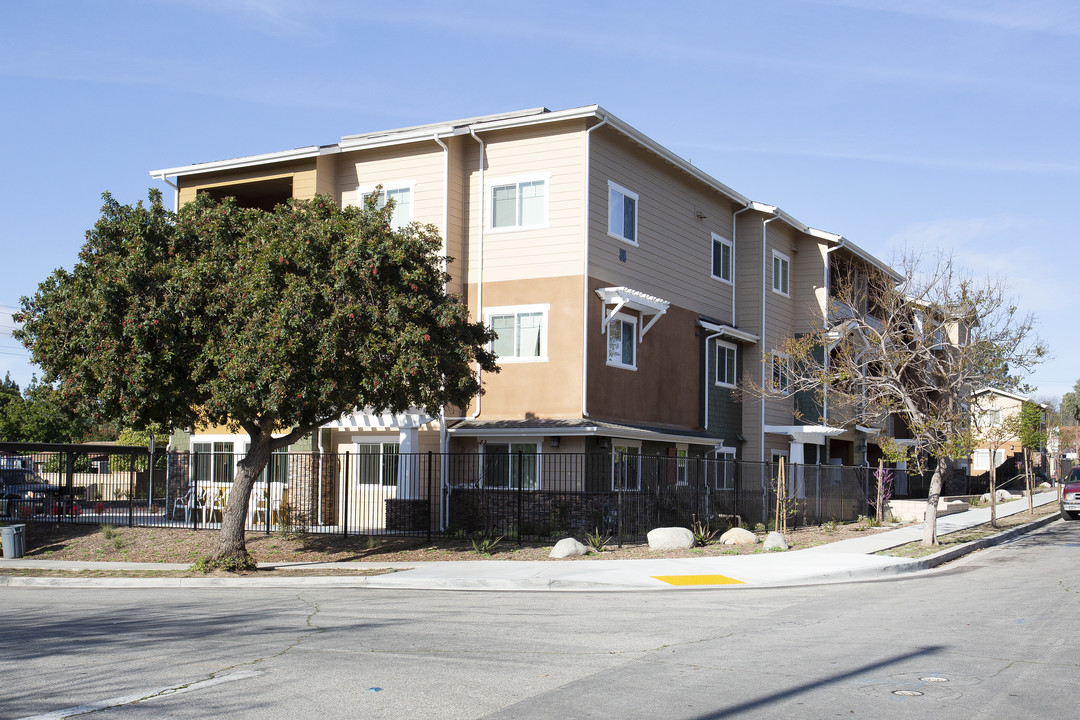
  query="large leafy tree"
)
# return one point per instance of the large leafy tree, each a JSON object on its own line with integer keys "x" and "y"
{"x": 915, "y": 349}
{"x": 39, "y": 414}
{"x": 269, "y": 321}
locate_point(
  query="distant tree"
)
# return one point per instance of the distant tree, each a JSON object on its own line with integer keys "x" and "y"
{"x": 268, "y": 321}
{"x": 915, "y": 349}
{"x": 40, "y": 415}
{"x": 1070, "y": 406}
{"x": 1032, "y": 435}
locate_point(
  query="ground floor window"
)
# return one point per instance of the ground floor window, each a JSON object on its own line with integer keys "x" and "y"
{"x": 625, "y": 467}
{"x": 511, "y": 465}
{"x": 377, "y": 463}
{"x": 722, "y": 471}
{"x": 214, "y": 462}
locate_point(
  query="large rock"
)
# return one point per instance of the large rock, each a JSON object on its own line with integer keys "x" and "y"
{"x": 670, "y": 538}
{"x": 738, "y": 536}
{"x": 1002, "y": 496}
{"x": 568, "y": 547}
{"x": 774, "y": 541}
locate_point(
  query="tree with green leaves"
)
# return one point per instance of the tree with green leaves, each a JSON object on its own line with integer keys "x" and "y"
{"x": 914, "y": 349}
{"x": 1031, "y": 430}
{"x": 39, "y": 414}
{"x": 273, "y": 322}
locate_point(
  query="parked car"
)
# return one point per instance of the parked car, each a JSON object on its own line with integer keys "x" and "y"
{"x": 1070, "y": 496}
{"x": 21, "y": 487}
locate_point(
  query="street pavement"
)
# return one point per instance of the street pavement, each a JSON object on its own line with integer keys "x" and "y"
{"x": 842, "y": 561}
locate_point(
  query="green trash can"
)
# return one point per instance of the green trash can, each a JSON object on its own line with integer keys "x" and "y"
{"x": 14, "y": 540}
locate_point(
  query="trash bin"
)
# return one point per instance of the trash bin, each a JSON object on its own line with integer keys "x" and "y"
{"x": 14, "y": 540}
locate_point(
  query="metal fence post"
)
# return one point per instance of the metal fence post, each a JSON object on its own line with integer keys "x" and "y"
{"x": 520, "y": 496}
{"x": 131, "y": 491}
{"x": 429, "y": 495}
{"x": 345, "y": 501}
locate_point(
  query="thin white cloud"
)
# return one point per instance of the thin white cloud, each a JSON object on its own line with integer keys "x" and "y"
{"x": 1050, "y": 17}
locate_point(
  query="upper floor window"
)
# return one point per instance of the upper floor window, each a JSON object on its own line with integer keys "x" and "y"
{"x": 401, "y": 192}
{"x": 622, "y": 341}
{"x": 781, "y": 371}
{"x": 725, "y": 364}
{"x": 721, "y": 258}
{"x": 781, "y": 270}
{"x": 622, "y": 213}
{"x": 519, "y": 203}
{"x": 521, "y": 332}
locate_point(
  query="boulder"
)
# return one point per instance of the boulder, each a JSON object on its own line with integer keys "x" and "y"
{"x": 738, "y": 536}
{"x": 670, "y": 538}
{"x": 1002, "y": 496}
{"x": 568, "y": 547}
{"x": 774, "y": 541}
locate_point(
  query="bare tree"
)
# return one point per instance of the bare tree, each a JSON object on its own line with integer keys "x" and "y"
{"x": 916, "y": 350}
{"x": 995, "y": 431}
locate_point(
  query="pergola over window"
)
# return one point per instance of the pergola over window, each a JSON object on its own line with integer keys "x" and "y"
{"x": 617, "y": 299}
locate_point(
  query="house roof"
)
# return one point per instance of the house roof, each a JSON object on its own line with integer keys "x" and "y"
{"x": 1006, "y": 393}
{"x": 518, "y": 118}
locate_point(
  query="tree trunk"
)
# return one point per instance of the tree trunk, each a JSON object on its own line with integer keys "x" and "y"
{"x": 880, "y": 491}
{"x": 993, "y": 489}
{"x": 231, "y": 552}
{"x": 930, "y": 526}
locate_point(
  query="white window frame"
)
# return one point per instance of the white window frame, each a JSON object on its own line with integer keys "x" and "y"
{"x": 724, "y": 347}
{"x": 619, "y": 232}
{"x": 381, "y": 474}
{"x": 517, "y": 181}
{"x": 784, "y": 286}
{"x": 633, "y": 322}
{"x": 783, "y": 362}
{"x": 682, "y": 454}
{"x": 218, "y": 462}
{"x": 721, "y": 242}
{"x": 516, "y": 310}
{"x": 390, "y": 185}
{"x": 722, "y": 479}
{"x": 631, "y": 451}
{"x": 510, "y": 443}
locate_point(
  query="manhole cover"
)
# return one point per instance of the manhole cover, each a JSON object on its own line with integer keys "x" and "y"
{"x": 934, "y": 679}
{"x": 906, "y": 693}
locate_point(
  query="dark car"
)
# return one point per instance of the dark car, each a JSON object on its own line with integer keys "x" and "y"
{"x": 21, "y": 487}
{"x": 1070, "y": 496}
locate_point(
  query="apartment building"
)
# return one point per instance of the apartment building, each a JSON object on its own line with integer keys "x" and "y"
{"x": 632, "y": 292}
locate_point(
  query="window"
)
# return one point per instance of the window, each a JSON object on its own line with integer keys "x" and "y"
{"x": 518, "y": 203}
{"x": 277, "y": 467}
{"x": 214, "y": 462}
{"x": 622, "y": 336}
{"x": 781, "y": 371}
{"x": 723, "y": 471}
{"x": 622, "y": 213}
{"x": 377, "y": 463}
{"x": 511, "y": 465}
{"x": 781, "y": 268}
{"x": 721, "y": 258}
{"x": 625, "y": 467}
{"x": 521, "y": 332}
{"x": 400, "y": 191}
{"x": 725, "y": 364}
{"x": 680, "y": 465}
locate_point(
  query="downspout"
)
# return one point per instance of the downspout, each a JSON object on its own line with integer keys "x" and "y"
{"x": 825, "y": 326}
{"x": 318, "y": 511}
{"x": 585, "y": 280}
{"x": 176, "y": 191}
{"x": 734, "y": 251}
{"x": 764, "y": 266}
{"x": 480, "y": 254}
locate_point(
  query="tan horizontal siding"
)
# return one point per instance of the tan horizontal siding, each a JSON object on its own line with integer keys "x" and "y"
{"x": 421, "y": 163}
{"x": 673, "y": 257}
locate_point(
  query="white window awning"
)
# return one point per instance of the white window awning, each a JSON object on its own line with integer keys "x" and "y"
{"x": 619, "y": 298}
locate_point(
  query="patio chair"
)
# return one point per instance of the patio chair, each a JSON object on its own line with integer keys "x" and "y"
{"x": 260, "y": 504}
{"x": 189, "y": 501}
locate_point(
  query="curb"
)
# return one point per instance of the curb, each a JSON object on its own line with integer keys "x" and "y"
{"x": 945, "y": 556}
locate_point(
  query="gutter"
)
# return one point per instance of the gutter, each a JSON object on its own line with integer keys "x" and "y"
{"x": 764, "y": 266}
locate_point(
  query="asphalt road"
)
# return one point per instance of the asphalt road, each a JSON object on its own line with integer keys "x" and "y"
{"x": 996, "y": 635}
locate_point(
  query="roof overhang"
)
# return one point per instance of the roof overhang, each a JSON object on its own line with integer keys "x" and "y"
{"x": 370, "y": 420}
{"x": 728, "y": 331}
{"x": 810, "y": 434}
{"x": 582, "y": 429}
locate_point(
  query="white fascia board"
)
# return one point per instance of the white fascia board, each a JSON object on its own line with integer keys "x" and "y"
{"x": 585, "y": 431}
{"x": 859, "y": 252}
{"x": 241, "y": 162}
{"x": 729, "y": 331}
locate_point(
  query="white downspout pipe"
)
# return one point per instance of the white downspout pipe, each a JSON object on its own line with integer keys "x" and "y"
{"x": 585, "y": 272}
{"x": 480, "y": 255}
{"x": 176, "y": 190}
{"x": 734, "y": 253}
{"x": 764, "y": 367}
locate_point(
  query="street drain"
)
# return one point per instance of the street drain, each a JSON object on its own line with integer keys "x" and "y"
{"x": 906, "y": 693}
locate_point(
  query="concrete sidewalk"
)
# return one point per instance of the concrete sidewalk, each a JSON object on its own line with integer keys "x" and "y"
{"x": 842, "y": 561}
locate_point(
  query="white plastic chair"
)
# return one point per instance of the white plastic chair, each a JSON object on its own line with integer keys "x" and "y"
{"x": 189, "y": 501}
{"x": 257, "y": 510}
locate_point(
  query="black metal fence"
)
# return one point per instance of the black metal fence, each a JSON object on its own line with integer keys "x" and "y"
{"x": 521, "y": 495}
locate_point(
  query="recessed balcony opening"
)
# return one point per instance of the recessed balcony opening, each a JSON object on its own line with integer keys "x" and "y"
{"x": 263, "y": 194}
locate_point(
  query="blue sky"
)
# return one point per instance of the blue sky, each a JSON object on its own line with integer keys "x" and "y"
{"x": 919, "y": 124}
